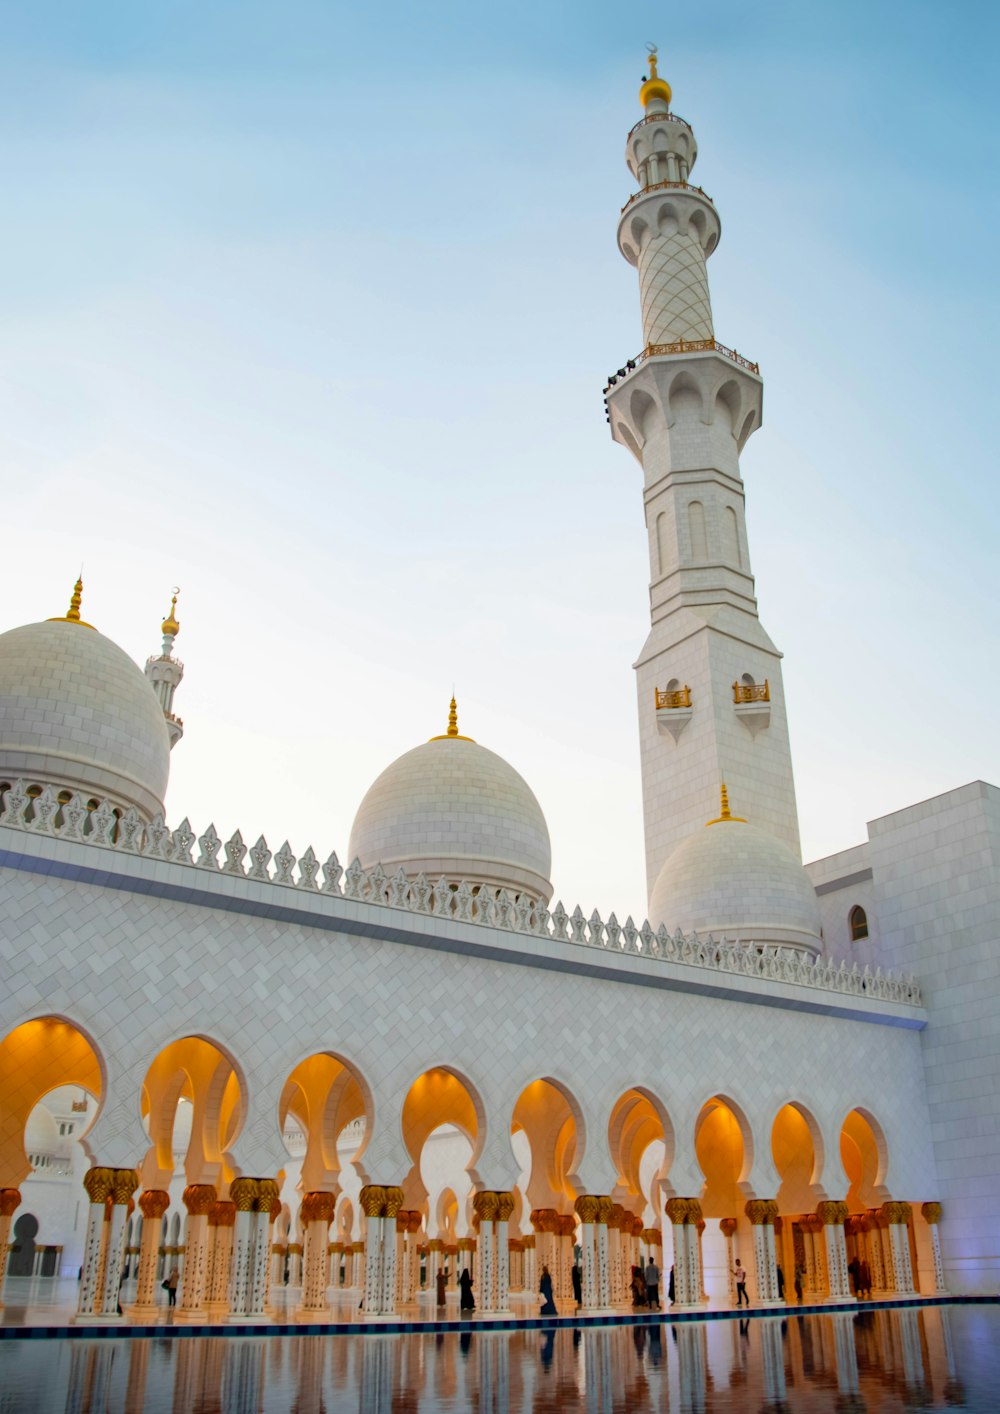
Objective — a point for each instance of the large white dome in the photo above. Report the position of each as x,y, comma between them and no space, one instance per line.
75,711
452,808
733,880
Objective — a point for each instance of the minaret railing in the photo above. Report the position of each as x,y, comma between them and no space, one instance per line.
667,186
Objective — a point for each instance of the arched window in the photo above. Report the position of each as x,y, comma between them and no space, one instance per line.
858,920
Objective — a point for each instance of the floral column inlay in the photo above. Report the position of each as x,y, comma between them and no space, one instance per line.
98,1183
833,1216
932,1216
198,1199
152,1204
762,1213
898,1216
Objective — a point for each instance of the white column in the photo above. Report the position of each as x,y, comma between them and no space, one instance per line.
98,1182
762,1213
126,1181
932,1216
152,1204
899,1215
191,1310
244,1193
833,1216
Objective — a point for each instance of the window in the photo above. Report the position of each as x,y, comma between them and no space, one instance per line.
858,920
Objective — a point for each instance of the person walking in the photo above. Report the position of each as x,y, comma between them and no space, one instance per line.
781,1281
441,1283
467,1301
799,1274
671,1288
577,1276
545,1287
652,1275
865,1280
171,1285
740,1273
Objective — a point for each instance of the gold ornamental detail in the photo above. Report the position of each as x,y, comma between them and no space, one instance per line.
243,1192
222,1214
587,1207
505,1206
99,1183
10,1201
394,1198
268,1197
744,692
154,1202
931,1212
485,1205
667,701
372,1199
831,1214
198,1199
729,1225
761,1211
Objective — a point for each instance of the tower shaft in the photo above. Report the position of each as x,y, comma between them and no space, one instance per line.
711,698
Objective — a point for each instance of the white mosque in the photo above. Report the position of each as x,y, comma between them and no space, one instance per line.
346,1074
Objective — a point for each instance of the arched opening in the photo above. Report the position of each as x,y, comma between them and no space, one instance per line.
550,1121
641,1141
797,1150
724,1150
697,532
193,1105
858,920
52,1082
443,1130
865,1156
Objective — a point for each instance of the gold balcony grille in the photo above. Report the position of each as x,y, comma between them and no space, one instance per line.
751,692
668,699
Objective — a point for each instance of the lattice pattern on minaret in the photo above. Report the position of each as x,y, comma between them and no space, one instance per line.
673,288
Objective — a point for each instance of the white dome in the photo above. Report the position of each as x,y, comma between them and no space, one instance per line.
75,711
732,880
452,808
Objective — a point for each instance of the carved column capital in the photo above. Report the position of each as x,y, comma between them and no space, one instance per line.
198,1198
485,1205
99,1182
154,1202
831,1214
729,1225
268,1198
243,1192
372,1200
10,1201
931,1212
587,1207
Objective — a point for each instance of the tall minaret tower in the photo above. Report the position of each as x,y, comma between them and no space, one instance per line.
165,672
711,703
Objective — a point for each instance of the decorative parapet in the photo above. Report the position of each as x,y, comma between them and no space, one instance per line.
467,901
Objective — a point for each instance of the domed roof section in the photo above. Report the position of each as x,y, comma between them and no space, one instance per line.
733,880
451,807
76,711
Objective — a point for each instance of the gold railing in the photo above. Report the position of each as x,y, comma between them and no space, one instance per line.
751,692
658,118
698,346
680,698
664,186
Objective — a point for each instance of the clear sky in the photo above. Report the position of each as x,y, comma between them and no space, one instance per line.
309,307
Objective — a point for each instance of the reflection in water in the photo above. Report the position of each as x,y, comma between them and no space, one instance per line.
848,1361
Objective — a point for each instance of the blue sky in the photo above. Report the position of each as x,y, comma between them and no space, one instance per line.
309,308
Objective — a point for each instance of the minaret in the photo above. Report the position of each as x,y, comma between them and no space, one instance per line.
711,703
165,672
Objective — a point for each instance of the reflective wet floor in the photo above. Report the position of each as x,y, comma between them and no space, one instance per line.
870,1360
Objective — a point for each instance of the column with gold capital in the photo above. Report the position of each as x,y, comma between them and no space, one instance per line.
372,1199
728,1227
484,1206
587,1207
10,1201
124,1184
316,1214
98,1183
243,1192
152,1205
602,1250
762,1213
932,1216
684,1215
221,1223
833,1216
501,1230
265,1210
393,1203
191,1310
898,1216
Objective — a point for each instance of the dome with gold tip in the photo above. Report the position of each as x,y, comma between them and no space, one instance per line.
450,807
76,712
734,880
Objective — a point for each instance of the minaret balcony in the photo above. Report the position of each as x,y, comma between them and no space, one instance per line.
682,346
667,186
657,118
752,705
673,709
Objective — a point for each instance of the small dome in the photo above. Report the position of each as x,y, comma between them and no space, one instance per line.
452,808
75,711
733,880
41,1133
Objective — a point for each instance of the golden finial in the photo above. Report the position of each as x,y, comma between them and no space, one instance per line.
452,733
170,627
724,812
654,86
72,615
